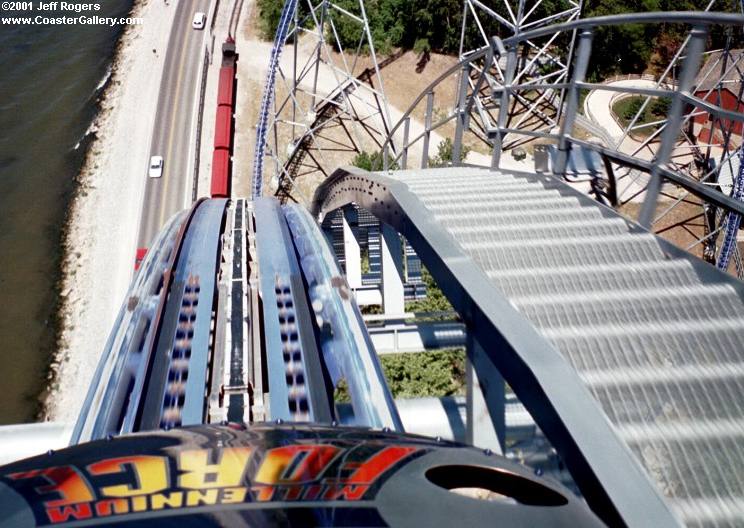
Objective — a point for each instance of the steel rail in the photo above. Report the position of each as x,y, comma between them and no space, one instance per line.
696,18
295,371
347,348
135,405
108,393
122,420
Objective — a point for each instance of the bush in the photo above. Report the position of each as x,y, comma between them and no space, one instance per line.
425,374
634,106
445,153
435,301
369,162
421,46
660,107
434,373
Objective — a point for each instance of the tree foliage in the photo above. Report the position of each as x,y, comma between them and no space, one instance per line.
446,153
660,106
422,25
633,48
433,373
633,107
626,48
370,162
435,301
425,374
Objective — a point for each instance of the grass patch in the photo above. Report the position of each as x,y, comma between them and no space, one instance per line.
625,110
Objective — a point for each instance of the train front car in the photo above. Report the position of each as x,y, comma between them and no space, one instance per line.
280,475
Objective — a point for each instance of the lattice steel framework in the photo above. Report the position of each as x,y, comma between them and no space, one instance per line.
325,101
673,181
706,148
538,61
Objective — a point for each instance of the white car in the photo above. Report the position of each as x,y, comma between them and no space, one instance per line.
199,20
156,167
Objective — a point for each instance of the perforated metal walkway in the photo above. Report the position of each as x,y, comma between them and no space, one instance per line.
656,336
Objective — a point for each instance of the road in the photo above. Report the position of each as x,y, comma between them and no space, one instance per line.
175,123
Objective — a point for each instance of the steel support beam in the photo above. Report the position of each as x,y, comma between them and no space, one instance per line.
392,271
352,256
485,400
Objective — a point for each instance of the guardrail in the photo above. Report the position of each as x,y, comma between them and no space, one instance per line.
199,122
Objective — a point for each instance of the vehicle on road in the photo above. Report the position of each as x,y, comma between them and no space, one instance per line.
199,20
139,257
156,167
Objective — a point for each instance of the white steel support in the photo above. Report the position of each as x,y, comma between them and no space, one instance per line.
485,400
392,271
352,256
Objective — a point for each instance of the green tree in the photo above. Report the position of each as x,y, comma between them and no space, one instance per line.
620,49
373,162
445,153
660,106
269,12
633,107
425,374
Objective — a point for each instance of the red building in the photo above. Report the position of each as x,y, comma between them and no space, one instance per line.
720,83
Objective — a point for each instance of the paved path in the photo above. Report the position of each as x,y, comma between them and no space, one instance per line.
597,105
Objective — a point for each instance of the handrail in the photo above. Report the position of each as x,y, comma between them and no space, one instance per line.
696,18
678,92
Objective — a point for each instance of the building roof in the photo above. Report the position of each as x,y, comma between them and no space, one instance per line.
721,68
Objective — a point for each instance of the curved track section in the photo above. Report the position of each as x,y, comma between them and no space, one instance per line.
592,321
154,368
733,220
268,95
235,305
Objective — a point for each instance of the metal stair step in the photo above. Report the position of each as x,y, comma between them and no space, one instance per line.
477,207
672,397
486,219
692,463
584,310
650,344
569,252
440,187
609,277
517,193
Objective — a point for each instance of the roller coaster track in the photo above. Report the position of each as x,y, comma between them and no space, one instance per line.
325,112
733,220
269,94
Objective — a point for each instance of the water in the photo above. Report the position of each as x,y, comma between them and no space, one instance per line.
50,79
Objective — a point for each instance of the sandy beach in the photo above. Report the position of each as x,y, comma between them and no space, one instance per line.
104,216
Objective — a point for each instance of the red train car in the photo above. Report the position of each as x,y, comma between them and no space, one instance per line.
223,128
226,86
221,166
139,257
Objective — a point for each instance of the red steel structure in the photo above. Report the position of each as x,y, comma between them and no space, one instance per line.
224,125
